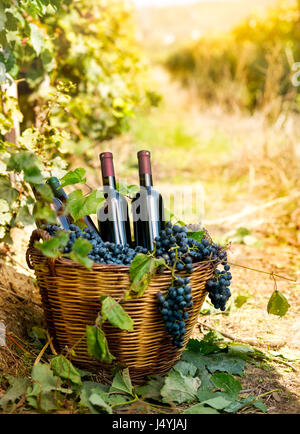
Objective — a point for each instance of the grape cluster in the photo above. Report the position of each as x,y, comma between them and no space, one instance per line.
174,245
102,252
218,288
181,252
172,306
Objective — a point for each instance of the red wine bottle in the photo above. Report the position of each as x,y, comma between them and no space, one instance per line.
147,206
59,201
113,217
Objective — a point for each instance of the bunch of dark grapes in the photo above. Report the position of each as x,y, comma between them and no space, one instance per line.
181,252
172,307
102,252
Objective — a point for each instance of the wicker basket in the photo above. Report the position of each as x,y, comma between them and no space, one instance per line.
71,299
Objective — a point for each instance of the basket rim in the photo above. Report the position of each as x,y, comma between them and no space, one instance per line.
67,262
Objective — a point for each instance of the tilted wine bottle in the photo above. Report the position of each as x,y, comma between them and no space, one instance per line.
40,223
113,217
147,206
60,200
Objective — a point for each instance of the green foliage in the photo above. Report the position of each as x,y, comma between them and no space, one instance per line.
141,271
18,387
179,388
40,394
52,384
122,382
52,247
79,205
97,344
196,235
89,42
249,67
79,252
278,304
63,368
73,177
115,314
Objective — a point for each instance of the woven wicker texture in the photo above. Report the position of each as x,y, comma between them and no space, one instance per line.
71,300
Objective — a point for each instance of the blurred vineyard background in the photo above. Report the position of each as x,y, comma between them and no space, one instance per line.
212,89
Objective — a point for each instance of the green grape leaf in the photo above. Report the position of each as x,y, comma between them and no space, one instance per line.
73,177
179,388
185,368
141,271
122,382
238,405
24,216
152,388
97,344
64,369
278,304
18,387
224,363
240,300
227,382
41,394
88,389
204,346
7,191
79,206
51,248
261,406
218,402
45,191
197,236
30,165
97,401
44,212
79,252
37,38
115,314
200,409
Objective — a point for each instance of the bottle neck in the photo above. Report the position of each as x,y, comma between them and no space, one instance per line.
59,193
146,180
109,181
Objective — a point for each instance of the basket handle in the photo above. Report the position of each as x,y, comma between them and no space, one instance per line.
36,235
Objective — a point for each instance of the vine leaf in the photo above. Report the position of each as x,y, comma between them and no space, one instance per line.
200,409
122,382
73,177
37,38
152,388
179,388
79,252
51,248
44,212
141,271
115,314
227,382
63,368
40,395
30,165
7,191
278,304
97,344
197,236
45,191
79,206
18,387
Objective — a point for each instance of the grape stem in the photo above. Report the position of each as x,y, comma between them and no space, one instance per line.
261,271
